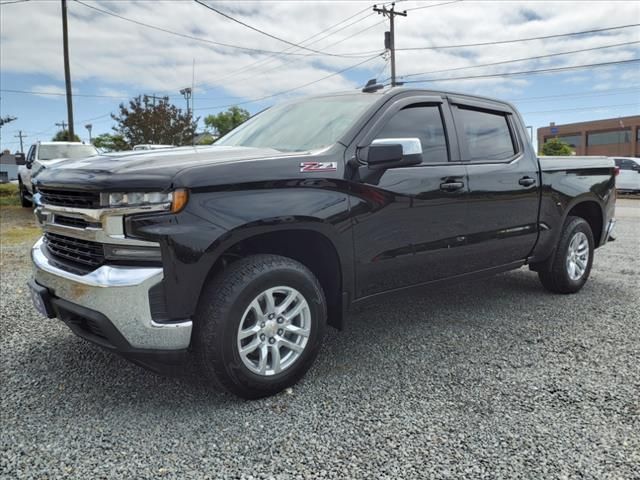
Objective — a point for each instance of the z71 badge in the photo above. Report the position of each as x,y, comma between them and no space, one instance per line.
311,167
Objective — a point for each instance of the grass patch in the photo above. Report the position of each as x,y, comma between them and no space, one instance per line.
16,235
17,225
9,194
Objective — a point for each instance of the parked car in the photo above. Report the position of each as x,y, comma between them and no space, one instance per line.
628,179
236,256
47,154
150,146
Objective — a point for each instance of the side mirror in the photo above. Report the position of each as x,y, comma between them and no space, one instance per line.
20,160
394,152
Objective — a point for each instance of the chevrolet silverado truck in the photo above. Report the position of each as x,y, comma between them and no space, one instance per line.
233,258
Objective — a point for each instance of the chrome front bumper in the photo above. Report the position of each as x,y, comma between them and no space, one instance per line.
119,293
609,232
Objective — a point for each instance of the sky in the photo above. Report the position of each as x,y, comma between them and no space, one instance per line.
127,48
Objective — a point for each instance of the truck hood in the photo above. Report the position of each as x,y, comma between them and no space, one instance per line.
146,170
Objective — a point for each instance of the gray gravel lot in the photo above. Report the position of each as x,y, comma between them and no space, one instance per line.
489,379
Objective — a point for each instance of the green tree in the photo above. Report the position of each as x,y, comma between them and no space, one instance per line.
556,148
110,143
63,136
223,122
159,123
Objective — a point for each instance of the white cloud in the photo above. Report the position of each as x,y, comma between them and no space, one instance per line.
52,92
108,51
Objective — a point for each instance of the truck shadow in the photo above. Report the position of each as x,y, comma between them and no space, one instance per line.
78,371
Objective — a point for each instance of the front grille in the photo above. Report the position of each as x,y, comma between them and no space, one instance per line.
74,222
69,198
79,252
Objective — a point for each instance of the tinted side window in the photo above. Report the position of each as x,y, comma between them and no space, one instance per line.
627,164
31,153
484,135
423,122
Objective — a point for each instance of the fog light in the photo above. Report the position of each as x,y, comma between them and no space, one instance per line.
118,252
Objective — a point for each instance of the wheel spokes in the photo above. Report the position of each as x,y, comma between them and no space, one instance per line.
303,332
290,345
275,359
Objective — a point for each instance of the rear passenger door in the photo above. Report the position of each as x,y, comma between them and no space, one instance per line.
503,183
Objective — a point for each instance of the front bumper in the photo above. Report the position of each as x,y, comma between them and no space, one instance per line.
110,296
611,225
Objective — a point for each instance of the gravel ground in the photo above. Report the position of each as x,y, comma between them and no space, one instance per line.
490,379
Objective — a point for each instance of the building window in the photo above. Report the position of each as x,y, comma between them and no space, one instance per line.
573,140
609,138
637,134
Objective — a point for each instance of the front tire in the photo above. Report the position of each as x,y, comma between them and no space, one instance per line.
569,268
22,191
259,325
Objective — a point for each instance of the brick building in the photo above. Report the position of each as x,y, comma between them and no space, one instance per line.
611,137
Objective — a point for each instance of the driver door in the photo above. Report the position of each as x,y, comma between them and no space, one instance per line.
409,222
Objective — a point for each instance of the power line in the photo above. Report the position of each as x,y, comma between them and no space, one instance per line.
526,72
430,6
522,59
12,1
291,60
598,93
200,39
499,42
270,58
582,108
254,100
255,29
35,92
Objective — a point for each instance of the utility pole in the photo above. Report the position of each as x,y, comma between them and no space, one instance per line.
390,36
21,136
67,70
193,96
63,126
88,126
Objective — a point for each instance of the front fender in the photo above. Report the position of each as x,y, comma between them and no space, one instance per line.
214,221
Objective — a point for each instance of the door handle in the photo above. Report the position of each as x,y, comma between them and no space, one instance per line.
451,186
526,181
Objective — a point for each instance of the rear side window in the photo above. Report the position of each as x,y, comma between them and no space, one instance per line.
626,164
423,122
484,136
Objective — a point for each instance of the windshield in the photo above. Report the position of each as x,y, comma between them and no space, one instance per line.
51,152
309,124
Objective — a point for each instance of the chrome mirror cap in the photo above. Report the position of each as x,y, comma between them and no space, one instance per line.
410,146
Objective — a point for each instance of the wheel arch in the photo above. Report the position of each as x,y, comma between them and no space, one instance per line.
592,212
311,243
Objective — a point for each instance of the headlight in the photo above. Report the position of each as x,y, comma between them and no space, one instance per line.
173,201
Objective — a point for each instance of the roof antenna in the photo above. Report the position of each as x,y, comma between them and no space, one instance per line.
372,86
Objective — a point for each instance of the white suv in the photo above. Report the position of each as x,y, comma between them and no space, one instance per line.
628,179
46,154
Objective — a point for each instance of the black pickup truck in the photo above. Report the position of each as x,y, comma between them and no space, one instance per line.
235,257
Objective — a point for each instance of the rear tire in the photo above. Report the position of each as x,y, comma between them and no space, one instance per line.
569,268
22,191
243,326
